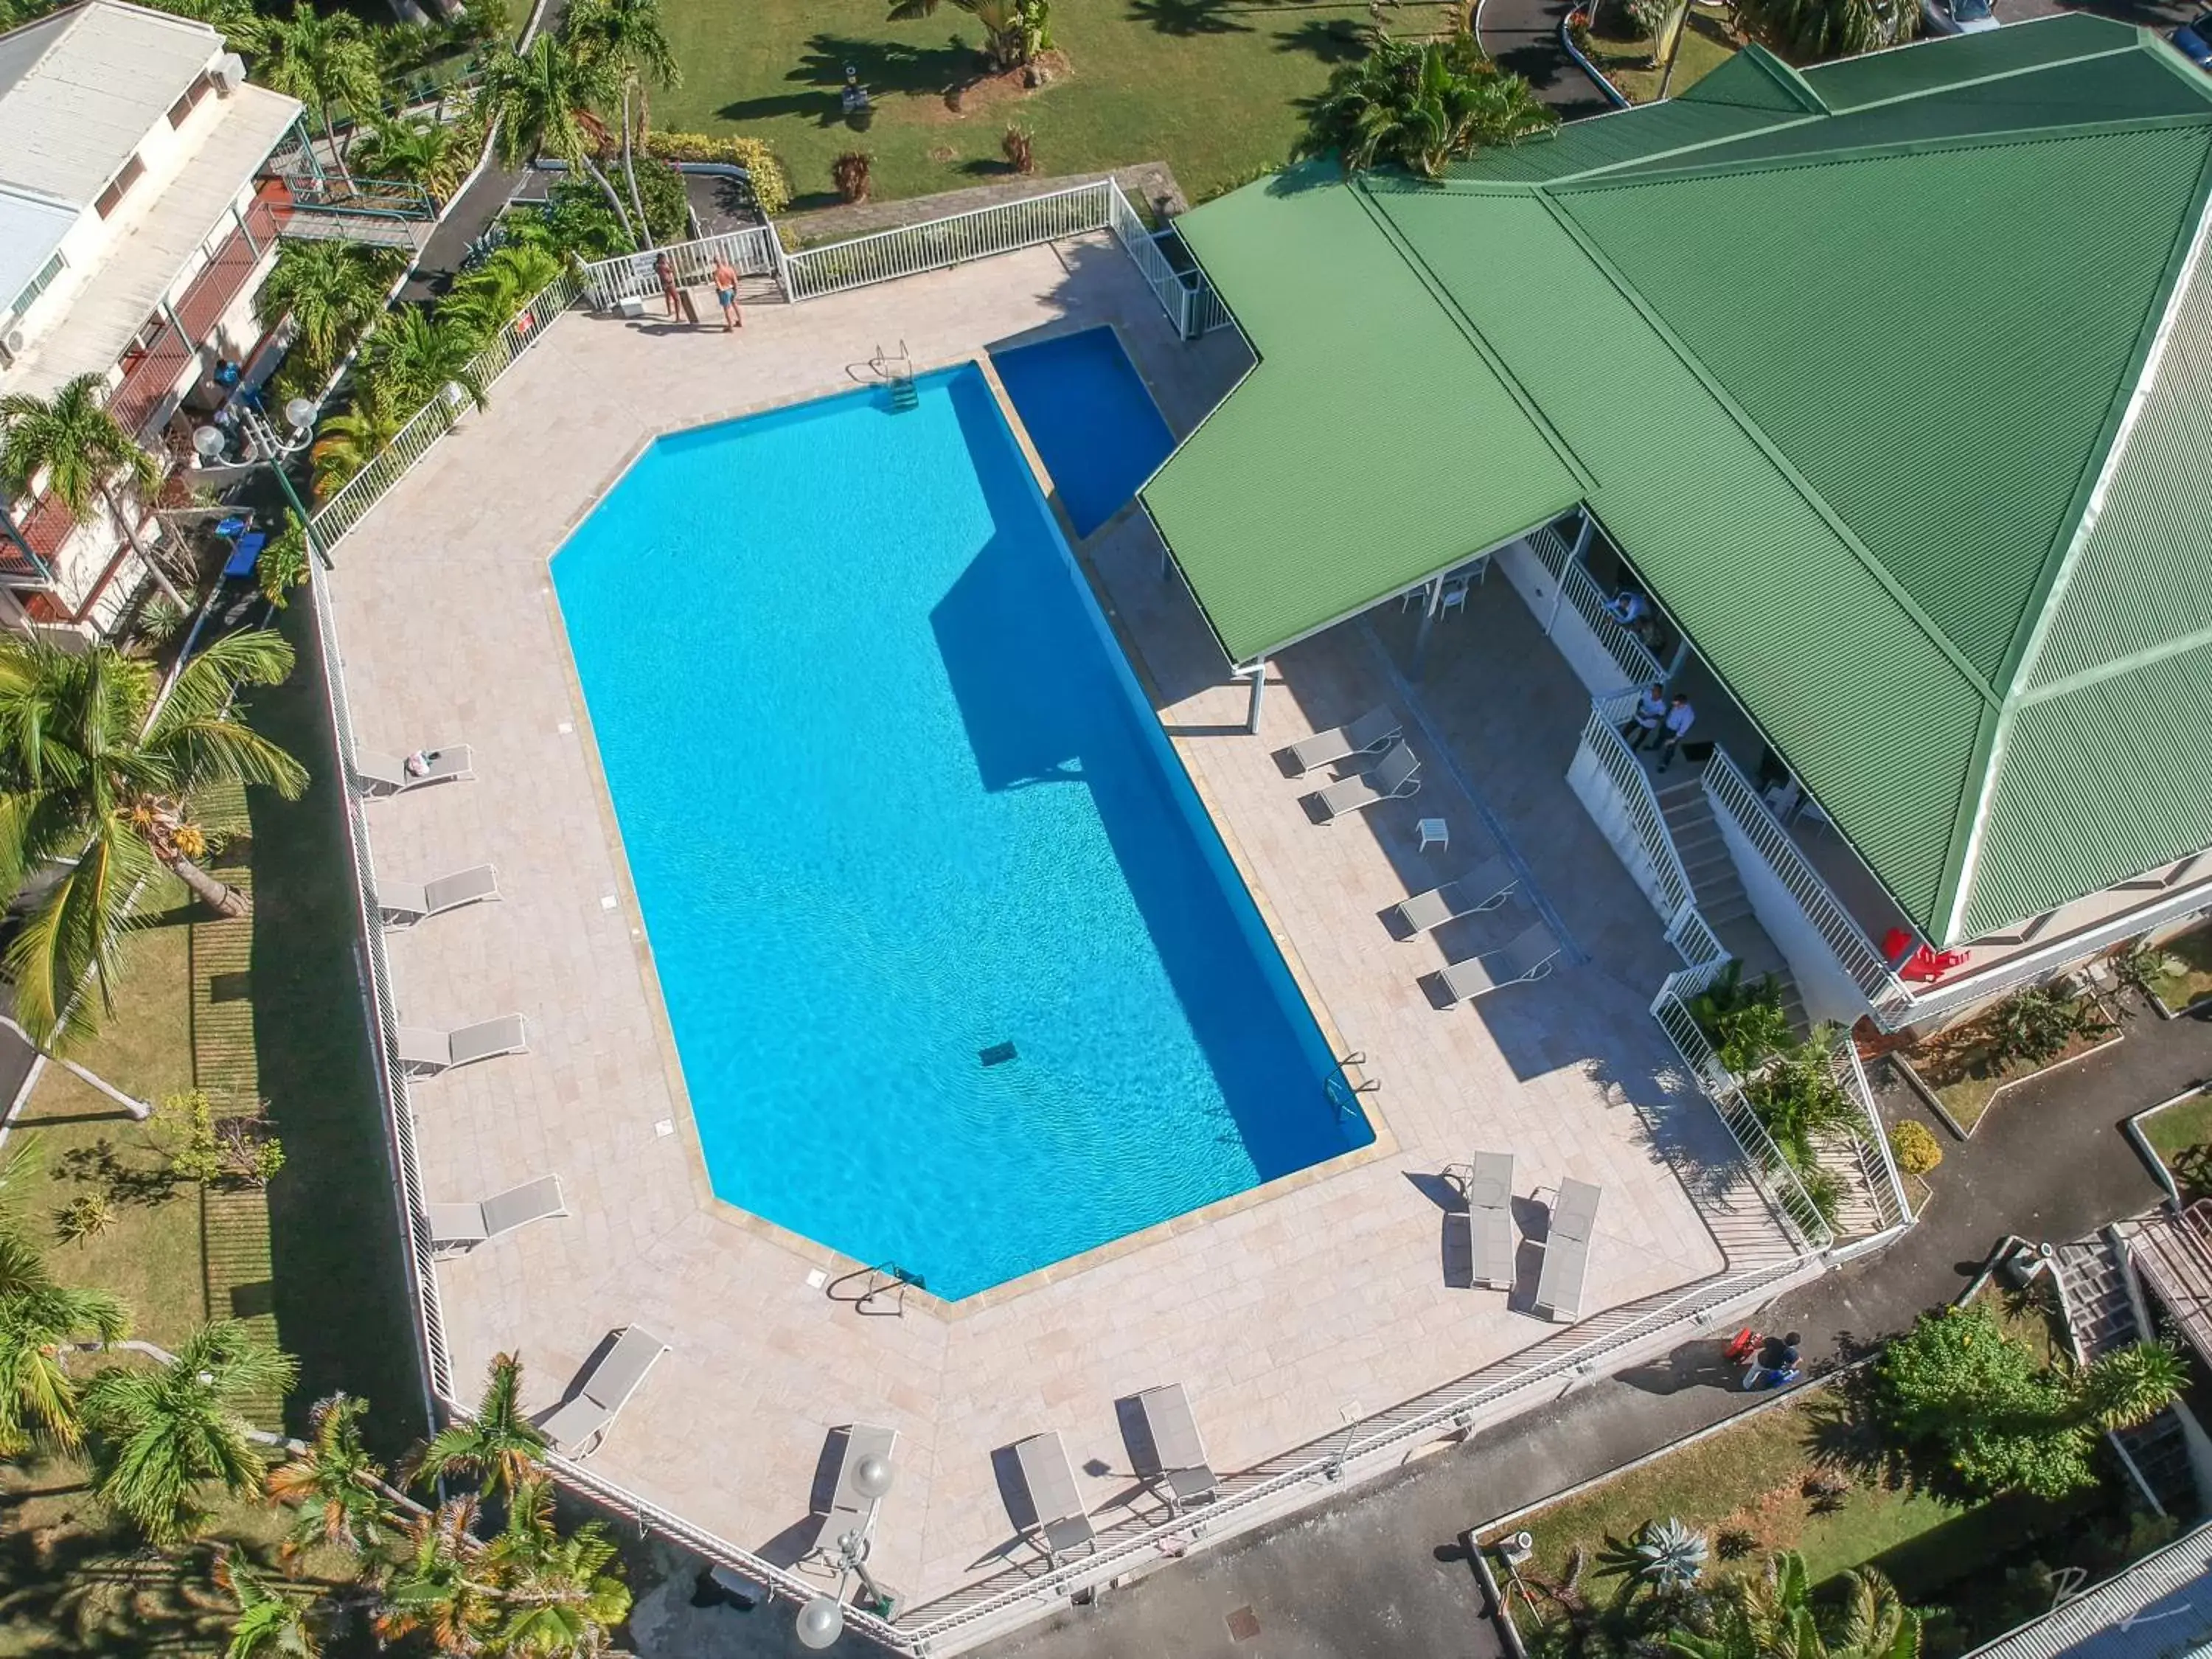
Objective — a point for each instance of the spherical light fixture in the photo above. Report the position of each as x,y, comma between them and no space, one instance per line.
871,1476
821,1622
209,443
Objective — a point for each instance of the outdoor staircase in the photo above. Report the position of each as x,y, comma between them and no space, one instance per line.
2100,1316
1719,891
304,226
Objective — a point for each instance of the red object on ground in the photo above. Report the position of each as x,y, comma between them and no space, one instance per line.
1744,1344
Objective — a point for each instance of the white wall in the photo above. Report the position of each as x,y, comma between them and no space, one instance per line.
1584,652
1829,993
1594,785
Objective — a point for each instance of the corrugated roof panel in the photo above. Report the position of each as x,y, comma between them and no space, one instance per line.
1755,78
31,230
1848,83
1943,385
1284,516
2100,1623
1744,560
1605,141
2095,786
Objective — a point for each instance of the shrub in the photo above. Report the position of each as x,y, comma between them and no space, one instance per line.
236,1151
2032,1027
86,1216
850,174
1917,1149
1020,146
283,562
771,184
1744,1023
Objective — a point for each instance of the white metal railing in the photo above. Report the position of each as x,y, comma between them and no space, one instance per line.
980,234
1580,589
1772,1172
1639,801
1731,795
1137,242
753,252
434,419
1885,1186
1206,312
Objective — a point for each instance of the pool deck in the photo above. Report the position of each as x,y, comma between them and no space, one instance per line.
1285,1317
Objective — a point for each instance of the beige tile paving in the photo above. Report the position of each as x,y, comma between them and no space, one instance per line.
1279,1315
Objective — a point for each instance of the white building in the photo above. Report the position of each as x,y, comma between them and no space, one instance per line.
135,229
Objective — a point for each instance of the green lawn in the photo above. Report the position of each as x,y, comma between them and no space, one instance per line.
1211,87
2181,1135
2184,972
1705,46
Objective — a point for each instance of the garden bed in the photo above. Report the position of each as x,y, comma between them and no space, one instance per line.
2181,1136
1964,1072
2179,976
1626,60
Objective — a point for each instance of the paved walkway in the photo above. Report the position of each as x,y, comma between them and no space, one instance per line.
1523,36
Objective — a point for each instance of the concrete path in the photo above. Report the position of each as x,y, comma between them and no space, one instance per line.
1523,36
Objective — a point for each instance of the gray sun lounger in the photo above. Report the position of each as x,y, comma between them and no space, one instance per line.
1393,777
1487,1221
387,775
1566,1249
1528,955
851,1509
502,1213
1184,1476
1061,1520
1370,734
424,1050
404,903
577,1426
1485,887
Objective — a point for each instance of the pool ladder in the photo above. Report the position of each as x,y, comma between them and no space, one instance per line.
897,373
864,1285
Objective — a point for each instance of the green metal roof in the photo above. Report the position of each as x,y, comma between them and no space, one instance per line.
1856,376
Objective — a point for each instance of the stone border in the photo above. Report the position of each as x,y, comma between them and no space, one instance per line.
2133,1128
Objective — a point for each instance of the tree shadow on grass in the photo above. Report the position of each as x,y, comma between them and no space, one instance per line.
1330,40
885,68
88,1590
1187,19
97,1165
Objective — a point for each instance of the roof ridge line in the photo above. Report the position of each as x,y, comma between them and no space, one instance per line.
2113,667
1785,75
1741,417
2014,73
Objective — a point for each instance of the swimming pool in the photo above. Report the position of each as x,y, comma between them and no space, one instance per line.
959,973
1094,424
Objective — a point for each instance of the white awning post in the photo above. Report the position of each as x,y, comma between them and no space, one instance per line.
1259,689
1574,556
1431,601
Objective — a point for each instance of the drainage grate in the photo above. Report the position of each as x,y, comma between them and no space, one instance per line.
997,1054
1243,1625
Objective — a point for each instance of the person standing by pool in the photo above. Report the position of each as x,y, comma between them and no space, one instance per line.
665,268
726,291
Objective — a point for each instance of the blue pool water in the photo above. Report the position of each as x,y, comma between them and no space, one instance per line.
1094,425
892,800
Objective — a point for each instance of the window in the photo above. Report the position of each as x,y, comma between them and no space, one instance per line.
193,94
133,171
38,284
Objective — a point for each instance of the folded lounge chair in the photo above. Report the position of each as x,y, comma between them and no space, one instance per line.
1183,1475
472,1224
1528,955
385,775
1393,777
850,1509
1487,1221
1566,1249
1485,887
1061,1522
577,1426
404,904
431,1051
1370,734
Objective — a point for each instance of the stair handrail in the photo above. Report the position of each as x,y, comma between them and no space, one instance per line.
1601,737
1885,1183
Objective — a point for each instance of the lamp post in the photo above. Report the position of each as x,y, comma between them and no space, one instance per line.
300,416
821,1620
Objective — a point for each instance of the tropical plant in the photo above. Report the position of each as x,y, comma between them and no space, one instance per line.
1809,29
349,439
283,563
85,1216
331,290
82,450
1797,1096
1744,1022
1665,1557
497,1445
2032,1027
2131,1385
626,40
850,174
1917,1148
323,60
1019,147
160,1435
94,786
39,1400
485,299
542,101
428,153
1016,32
159,620
437,1584
1772,1617
1648,17
556,1594
268,1622
419,356
771,185
1422,106
337,1486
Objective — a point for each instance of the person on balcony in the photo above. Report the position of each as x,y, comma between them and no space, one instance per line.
1643,726
1676,726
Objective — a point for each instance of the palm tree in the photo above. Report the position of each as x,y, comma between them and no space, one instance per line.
337,1487
1422,104
556,1594
2131,1385
541,102
498,1445
426,152
82,449
437,1584
321,58
1807,29
486,300
269,1624
349,440
1877,1625
419,356
331,290
38,1318
159,1435
1771,1617
626,37
1015,32
95,782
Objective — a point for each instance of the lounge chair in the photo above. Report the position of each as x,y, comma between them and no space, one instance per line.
1485,887
1566,1250
502,1213
1528,955
423,1050
385,775
1393,777
1486,1223
1370,734
404,903
1061,1520
850,1509
1183,1473
577,1425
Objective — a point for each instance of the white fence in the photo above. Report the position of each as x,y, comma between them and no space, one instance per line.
1578,589
1638,802
751,252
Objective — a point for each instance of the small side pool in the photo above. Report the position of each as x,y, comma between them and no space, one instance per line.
1095,426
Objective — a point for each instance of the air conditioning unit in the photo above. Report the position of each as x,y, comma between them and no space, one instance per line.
12,340
229,73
